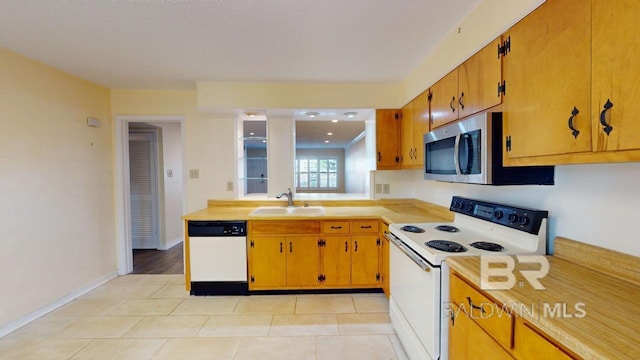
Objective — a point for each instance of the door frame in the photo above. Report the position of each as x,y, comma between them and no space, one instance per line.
122,186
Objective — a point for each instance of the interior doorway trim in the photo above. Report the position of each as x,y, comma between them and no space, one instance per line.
123,207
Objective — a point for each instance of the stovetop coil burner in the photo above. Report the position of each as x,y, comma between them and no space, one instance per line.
445,245
411,228
488,246
447,228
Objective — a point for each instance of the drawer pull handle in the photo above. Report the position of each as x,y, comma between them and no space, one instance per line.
336,227
365,227
603,117
477,307
574,131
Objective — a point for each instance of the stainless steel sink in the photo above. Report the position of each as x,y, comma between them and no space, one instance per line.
277,210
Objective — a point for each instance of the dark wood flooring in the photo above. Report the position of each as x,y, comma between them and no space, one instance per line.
158,261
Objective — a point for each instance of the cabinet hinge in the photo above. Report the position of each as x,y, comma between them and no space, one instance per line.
504,48
396,116
378,242
502,88
322,278
378,277
429,96
508,143
253,279
397,159
322,242
253,244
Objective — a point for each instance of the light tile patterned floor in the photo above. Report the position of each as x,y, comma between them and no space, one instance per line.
152,317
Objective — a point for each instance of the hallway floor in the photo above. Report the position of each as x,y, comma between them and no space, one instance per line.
151,261
153,317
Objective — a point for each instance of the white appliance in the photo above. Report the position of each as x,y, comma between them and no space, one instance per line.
420,279
218,257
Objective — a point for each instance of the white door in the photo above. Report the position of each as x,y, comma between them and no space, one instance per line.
144,190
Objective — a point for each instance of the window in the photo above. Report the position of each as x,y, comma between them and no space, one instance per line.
316,174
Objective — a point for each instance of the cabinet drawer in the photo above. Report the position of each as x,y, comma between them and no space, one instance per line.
528,344
365,226
284,227
335,227
492,317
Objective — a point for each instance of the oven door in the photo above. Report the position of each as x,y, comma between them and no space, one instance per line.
415,301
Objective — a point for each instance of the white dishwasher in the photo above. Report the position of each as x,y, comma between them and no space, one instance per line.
218,257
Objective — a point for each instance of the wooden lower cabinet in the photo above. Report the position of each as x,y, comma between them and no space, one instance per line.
384,259
467,340
529,345
314,254
473,335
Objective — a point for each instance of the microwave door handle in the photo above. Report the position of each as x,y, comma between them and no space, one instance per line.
456,155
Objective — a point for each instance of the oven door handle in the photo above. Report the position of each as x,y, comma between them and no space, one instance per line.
423,264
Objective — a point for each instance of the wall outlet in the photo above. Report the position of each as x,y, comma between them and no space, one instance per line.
229,185
194,173
378,188
385,188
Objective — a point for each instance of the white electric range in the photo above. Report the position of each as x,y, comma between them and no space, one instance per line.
420,278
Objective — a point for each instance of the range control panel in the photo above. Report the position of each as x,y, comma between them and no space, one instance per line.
522,219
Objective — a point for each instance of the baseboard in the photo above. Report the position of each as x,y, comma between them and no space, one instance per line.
171,244
16,324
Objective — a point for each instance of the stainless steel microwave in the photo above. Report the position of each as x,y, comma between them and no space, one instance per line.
470,151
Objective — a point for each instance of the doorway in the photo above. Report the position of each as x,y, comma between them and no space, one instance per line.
157,239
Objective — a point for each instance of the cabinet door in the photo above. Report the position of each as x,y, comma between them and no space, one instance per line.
491,74
615,69
470,86
547,75
468,341
406,142
336,260
365,260
444,101
420,127
388,139
529,345
267,264
303,260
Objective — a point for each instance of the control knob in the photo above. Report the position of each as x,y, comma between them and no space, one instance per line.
497,214
513,218
524,220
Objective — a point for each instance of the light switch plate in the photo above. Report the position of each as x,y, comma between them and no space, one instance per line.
194,173
229,185
169,173
378,188
385,188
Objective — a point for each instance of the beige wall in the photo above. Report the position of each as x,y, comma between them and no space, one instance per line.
56,185
209,139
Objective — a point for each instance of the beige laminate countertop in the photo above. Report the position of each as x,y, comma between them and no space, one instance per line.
610,327
397,211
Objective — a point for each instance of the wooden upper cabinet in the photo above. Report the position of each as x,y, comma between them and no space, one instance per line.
491,65
406,138
470,86
420,127
388,139
616,70
444,100
547,78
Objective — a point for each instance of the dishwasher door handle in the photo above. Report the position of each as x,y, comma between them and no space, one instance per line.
422,263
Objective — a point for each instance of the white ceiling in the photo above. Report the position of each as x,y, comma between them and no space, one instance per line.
171,44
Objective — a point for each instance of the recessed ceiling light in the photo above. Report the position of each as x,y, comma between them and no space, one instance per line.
312,114
329,133
334,120
326,141
350,114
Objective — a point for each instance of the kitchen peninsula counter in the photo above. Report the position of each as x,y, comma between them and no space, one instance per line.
390,211
589,305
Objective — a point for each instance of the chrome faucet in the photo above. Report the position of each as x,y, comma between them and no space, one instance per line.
289,196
